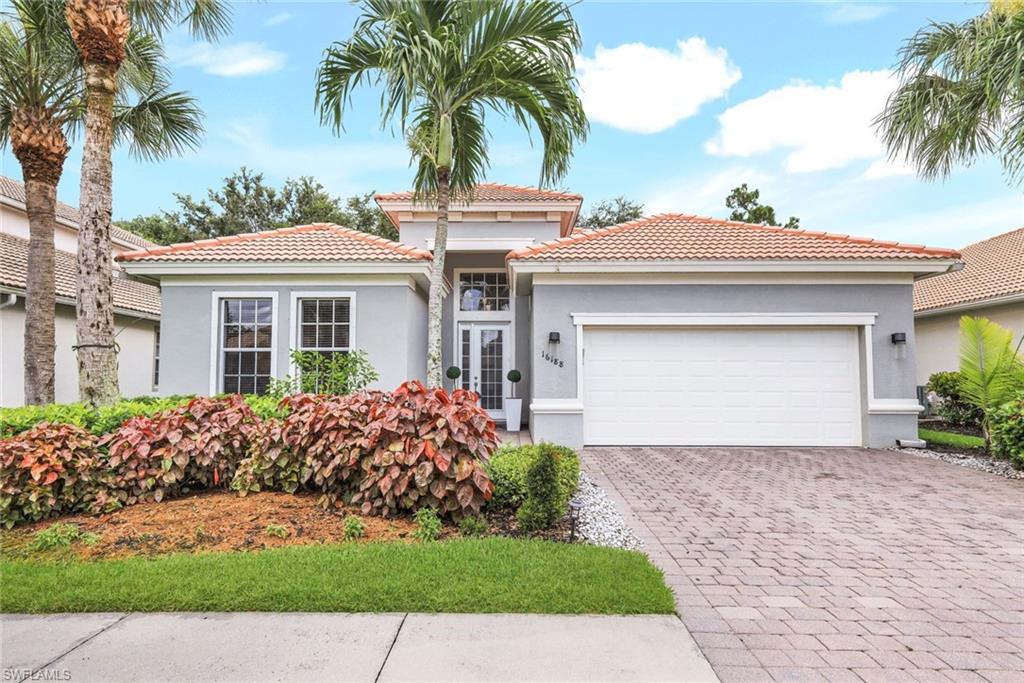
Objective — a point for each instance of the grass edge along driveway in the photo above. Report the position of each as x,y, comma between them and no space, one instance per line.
485,575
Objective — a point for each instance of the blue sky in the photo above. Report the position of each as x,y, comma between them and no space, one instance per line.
686,101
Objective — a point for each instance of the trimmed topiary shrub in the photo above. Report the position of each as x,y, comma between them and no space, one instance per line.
49,470
543,506
508,466
952,407
1007,429
197,445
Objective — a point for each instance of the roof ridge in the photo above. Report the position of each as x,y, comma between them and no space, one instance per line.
386,196
583,236
398,247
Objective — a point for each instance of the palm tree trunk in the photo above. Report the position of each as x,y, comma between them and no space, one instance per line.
97,356
40,347
436,297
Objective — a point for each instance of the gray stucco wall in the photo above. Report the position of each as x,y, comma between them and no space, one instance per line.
390,325
894,376
417,233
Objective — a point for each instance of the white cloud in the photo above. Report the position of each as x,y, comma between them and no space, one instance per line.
853,13
888,168
646,89
823,126
238,59
278,18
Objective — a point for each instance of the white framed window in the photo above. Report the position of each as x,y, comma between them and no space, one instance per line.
484,291
322,321
244,344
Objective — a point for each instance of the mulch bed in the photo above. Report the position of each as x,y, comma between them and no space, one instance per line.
938,425
214,521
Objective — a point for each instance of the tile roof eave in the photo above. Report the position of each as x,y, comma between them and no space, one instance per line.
981,302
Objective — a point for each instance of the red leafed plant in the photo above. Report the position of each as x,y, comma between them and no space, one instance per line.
48,470
425,447
195,446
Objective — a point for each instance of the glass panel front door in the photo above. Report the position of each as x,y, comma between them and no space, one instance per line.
484,361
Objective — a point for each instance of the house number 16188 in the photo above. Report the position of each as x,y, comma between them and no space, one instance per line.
551,359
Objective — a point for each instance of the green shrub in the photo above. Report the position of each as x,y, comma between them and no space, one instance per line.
952,407
508,466
98,421
428,525
1007,430
266,407
354,528
473,526
61,535
339,374
543,505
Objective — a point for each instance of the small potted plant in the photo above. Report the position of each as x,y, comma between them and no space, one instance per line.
513,405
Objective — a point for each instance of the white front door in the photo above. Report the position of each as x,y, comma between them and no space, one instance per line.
484,361
754,386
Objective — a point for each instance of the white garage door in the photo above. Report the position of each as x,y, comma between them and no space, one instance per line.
757,386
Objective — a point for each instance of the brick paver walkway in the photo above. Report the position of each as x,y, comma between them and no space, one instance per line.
832,564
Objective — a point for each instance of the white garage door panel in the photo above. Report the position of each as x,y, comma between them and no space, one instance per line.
783,386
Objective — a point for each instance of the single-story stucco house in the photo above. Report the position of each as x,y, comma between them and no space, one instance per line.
990,285
674,329
136,306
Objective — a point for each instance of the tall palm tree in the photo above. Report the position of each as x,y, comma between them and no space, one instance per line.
42,91
444,63
961,94
101,30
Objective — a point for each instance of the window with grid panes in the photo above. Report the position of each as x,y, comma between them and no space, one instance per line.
247,328
483,292
325,325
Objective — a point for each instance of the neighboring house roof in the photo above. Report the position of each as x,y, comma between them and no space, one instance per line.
495,192
993,269
128,294
682,237
68,215
317,242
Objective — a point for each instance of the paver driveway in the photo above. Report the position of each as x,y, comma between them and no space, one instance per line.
832,564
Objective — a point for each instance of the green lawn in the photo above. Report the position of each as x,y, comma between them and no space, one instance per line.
487,575
951,439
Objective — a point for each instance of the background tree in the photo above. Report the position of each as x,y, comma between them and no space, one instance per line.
747,207
101,30
442,64
613,212
961,95
42,91
246,203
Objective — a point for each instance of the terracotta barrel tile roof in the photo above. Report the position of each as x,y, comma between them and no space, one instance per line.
128,294
317,242
682,237
12,189
496,192
993,268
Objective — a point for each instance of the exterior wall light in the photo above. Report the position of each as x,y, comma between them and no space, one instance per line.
554,337
899,337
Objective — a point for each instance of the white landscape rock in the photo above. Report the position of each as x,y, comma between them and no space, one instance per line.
600,522
1003,468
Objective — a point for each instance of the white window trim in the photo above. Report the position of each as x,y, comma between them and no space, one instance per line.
509,317
215,330
293,315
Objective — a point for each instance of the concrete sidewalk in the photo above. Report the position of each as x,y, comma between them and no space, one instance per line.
356,647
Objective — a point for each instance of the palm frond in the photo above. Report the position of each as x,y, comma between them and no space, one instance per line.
990,367
205,19
160,124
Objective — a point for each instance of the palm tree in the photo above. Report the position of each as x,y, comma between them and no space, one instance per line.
961,94
42,91
101,30
991,368
443,64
